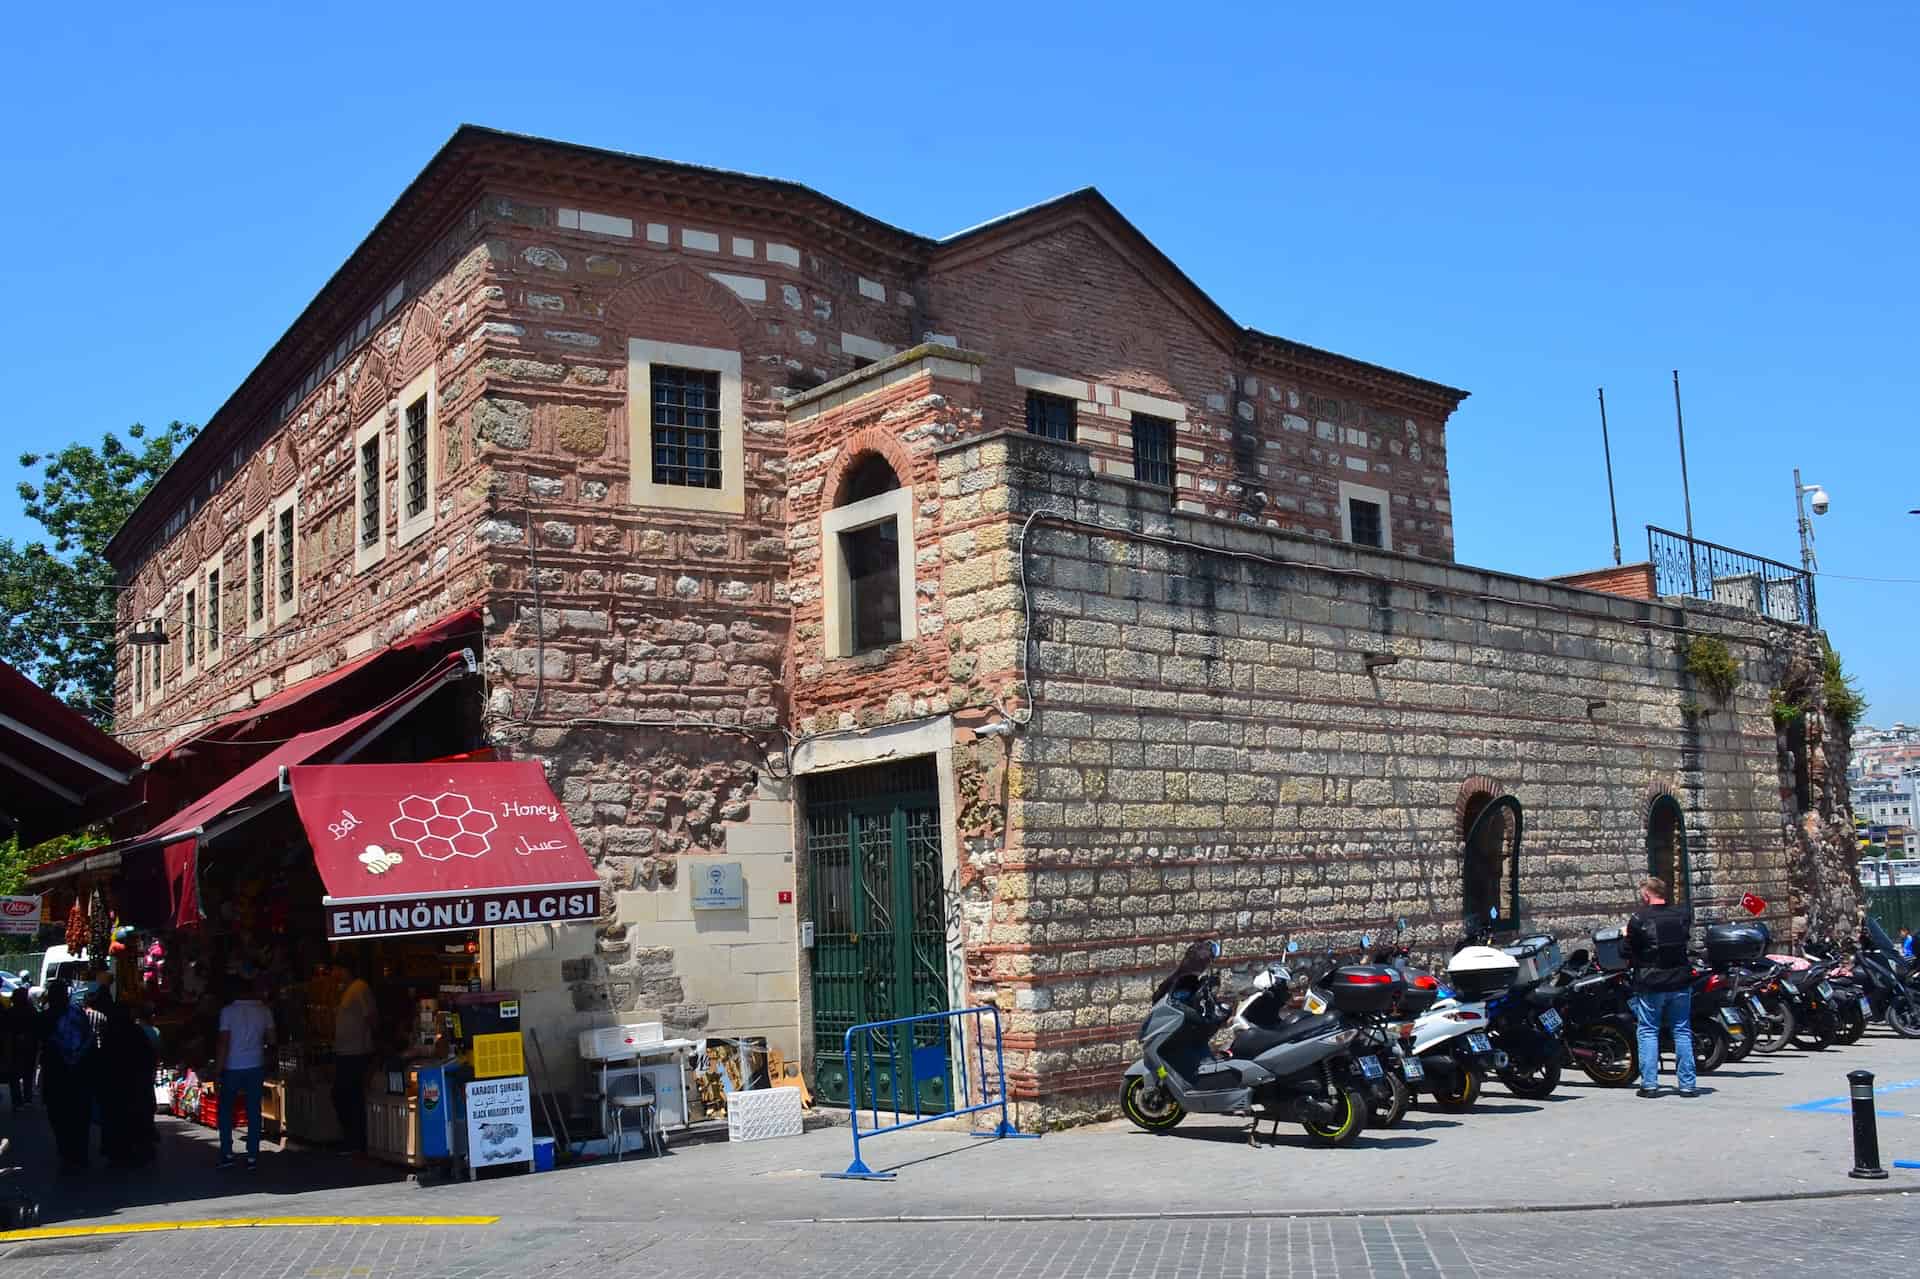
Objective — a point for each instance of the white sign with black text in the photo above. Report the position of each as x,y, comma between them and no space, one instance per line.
499,1122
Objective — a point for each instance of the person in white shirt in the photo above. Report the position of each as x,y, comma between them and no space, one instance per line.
240,1064
354,1021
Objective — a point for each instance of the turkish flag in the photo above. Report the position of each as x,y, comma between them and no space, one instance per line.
1754,905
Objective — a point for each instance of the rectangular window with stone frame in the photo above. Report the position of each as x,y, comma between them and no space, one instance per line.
1153,450
213,612
413,453
1364,518
286,556
257,576
1050,416
370,492
686,426
190,625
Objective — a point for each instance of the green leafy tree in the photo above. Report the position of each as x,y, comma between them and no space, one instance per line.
57,595
14,860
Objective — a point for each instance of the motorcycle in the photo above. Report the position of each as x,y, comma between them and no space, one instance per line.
1599,1032
1268,1006
1887,980
1452,1039
1524,1023
1813,999
1302,1071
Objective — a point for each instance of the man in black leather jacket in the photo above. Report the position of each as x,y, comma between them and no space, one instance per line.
1656,946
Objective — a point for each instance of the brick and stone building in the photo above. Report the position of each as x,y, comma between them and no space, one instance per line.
1011,613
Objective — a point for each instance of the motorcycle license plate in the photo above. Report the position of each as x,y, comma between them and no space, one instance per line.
1731,1020
1866,1007
1759,1009
1826,990
1550,1022
1315,1004
1413,1068
1479,1043
1369,1067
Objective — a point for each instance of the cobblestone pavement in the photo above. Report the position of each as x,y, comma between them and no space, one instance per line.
1862,1236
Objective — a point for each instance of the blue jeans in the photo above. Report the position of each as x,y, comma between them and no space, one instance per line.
235,1084
1673,1010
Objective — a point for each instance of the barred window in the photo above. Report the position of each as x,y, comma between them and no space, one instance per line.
213,611
686,426
370,492
1153,450
257,576
414,450
1051,416
1365,521
191,624
286,556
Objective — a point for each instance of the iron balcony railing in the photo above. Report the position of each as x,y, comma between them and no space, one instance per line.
1685,565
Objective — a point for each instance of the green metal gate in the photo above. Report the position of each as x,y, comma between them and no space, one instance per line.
877,900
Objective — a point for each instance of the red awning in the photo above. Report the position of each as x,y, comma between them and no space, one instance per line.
57,771
202,819
313,702
422,848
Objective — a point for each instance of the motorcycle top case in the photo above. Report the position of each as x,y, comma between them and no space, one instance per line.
1364,988
1737,943
1539,957
1422,990
1610,949
1477,972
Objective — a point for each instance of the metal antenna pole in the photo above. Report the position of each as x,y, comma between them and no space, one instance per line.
1607,448
1806,525
1686,493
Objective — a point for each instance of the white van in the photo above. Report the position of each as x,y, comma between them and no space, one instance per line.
65,965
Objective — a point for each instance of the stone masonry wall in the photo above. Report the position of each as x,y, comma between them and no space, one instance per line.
340,613
1209,757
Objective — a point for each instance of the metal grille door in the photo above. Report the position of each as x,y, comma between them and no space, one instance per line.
878,906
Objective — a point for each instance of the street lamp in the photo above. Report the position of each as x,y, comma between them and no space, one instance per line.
1805,495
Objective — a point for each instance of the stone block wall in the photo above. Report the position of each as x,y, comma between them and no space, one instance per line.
1210,755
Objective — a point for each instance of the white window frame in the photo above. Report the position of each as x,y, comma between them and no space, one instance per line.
1365,493
368,554
836,587
262,528
282,610
422,387
210,650
731,497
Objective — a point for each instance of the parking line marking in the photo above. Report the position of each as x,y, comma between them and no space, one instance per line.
229,1223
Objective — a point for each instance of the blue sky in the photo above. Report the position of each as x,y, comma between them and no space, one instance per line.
1524,203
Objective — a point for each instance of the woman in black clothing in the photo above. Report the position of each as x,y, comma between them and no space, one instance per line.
125,1077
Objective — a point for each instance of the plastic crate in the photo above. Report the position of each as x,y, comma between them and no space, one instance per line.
611,1043
498,1056
763,1113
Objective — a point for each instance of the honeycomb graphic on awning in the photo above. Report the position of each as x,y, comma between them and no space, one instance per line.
443,827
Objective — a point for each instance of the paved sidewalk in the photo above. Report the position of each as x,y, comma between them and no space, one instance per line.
1854,1237
1751,1137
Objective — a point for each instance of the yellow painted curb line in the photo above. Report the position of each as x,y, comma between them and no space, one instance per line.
230,1223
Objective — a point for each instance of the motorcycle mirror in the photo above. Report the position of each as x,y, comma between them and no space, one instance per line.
1493,912
1400,924
1293,948
1366,941
1214,946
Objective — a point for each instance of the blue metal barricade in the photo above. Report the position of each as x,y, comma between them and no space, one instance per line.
876,1042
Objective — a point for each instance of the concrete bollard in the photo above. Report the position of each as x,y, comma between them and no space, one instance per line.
1866,1134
